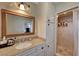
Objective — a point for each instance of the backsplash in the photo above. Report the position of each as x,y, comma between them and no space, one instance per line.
19,39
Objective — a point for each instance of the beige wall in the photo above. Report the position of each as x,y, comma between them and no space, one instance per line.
42,19
46,11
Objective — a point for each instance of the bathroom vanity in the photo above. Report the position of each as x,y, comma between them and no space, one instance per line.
19,27
37,48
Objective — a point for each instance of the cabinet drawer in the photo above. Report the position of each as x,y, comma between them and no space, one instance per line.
27,52
40,48
38,54
39,51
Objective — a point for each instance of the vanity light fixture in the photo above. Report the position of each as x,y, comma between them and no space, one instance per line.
23,6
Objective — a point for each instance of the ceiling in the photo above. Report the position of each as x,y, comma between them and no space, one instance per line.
36,3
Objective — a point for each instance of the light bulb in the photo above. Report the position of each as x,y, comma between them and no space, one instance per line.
64,12
22,7
57,16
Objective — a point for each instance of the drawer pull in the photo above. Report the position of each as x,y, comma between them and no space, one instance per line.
48,46
42,47
48,24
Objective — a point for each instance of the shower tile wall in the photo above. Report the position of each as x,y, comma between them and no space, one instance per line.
65,34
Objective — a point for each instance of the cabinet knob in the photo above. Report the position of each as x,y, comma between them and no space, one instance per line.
14,37
48,20
48,24
48,46
42,47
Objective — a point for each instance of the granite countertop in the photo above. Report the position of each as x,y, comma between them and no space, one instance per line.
12,51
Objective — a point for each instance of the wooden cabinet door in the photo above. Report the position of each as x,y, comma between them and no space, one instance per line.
27,52
41,50
36,51
50,31
41,54
50,37
50,50
38,54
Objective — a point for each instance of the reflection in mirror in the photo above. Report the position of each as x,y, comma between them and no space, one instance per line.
18,24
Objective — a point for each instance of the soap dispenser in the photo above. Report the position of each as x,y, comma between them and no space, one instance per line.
4,41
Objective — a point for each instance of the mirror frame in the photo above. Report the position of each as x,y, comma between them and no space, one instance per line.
4,13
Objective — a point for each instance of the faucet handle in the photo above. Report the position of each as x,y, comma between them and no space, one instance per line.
10,42
30,39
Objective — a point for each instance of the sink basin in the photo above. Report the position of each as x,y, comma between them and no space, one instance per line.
23,45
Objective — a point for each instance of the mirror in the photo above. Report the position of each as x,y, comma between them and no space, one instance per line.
17,24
